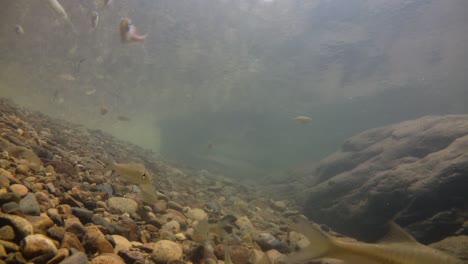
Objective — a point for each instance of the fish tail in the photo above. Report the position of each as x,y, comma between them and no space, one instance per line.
320,245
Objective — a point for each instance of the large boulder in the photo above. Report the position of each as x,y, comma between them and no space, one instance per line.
414,172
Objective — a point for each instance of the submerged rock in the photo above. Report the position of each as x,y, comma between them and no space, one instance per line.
37,245
165,251
412,170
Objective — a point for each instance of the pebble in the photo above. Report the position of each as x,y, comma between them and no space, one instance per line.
112,228
122,205
165,251
7,233
279,205
11,208
175,206
22,169
15,257
3,253
76,258
64,209
37,245
105,187
9,197
61,254
44,201
21,226
9,246
160,206
19,189
84,215
180,236
40,223
172,226
4,181
56,232
121,243
75,227
95,241
244,224
197,214
132,257
107,258
29,205
267,241
70,241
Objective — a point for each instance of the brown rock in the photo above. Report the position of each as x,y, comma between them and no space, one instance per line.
40,223
64,209
95,241
3,253
21,226
36,245
121,243
160,206
70,241
61,254
7,233
6,174
19,189
107,259
9,246
132,256
122,205
44,201
175,206
56,232
22,169
165,251
76,258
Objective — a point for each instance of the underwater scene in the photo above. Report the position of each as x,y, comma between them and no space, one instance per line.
234,131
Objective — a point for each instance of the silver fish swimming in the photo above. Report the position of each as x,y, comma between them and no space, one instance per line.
58,8
398,247
133,172
94,19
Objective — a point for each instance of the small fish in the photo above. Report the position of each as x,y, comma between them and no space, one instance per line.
104,110
123,118
133,172
94,19
58,8
78,64
397,247
66,77
128,32
19,29
302,119
210,146
90,92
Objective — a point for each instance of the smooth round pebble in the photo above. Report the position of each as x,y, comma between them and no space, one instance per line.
19,189
121,243
122,205
107,258
36,245
7,233
197,214
165,251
